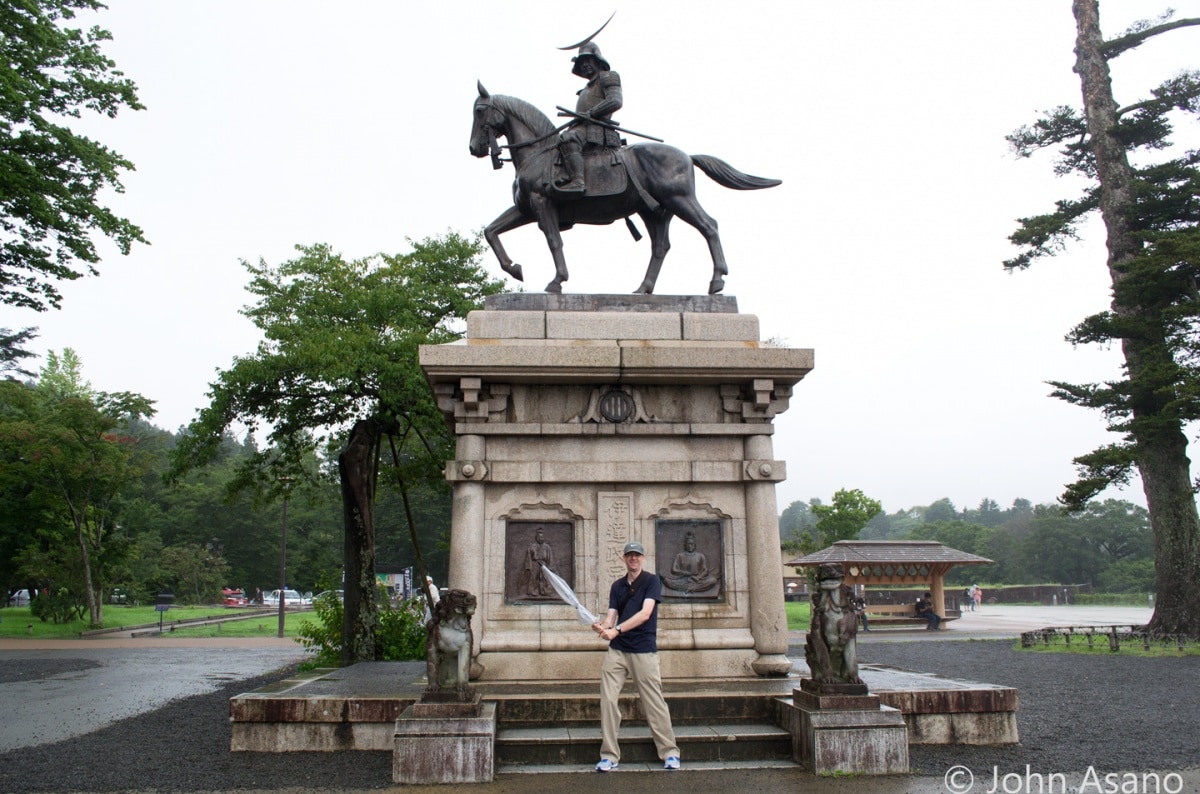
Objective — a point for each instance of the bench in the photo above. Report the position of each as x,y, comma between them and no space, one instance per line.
885,615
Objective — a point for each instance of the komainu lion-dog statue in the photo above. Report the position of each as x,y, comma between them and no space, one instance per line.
448,644
831,650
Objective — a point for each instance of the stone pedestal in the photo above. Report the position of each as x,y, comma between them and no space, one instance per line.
597,420
445,743
846,733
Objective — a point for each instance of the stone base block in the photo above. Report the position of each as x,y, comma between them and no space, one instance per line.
437,750
855,741
990,728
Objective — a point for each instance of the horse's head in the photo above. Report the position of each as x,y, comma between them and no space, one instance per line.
487,122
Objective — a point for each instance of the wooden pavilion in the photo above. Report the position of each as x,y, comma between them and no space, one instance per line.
921,563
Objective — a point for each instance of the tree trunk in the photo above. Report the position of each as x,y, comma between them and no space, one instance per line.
94,618
1160,444
356,468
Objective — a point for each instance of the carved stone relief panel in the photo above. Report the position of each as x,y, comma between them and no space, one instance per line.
690,558
528,545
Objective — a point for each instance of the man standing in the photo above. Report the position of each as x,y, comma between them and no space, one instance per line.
599,99
631,628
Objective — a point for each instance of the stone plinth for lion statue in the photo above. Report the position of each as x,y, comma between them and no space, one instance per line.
836,726
449,735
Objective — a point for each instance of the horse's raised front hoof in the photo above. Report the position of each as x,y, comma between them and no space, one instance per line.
555,287
514,270
716,285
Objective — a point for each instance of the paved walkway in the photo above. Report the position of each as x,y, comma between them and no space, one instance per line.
57,689
999,620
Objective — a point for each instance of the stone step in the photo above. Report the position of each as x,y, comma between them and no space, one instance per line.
573,705
579,745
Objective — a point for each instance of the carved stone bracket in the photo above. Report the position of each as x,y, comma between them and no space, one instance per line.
758,401
473,401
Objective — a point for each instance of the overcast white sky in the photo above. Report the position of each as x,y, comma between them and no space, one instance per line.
270,124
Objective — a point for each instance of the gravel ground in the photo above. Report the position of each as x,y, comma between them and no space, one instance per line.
1105,711
1109,713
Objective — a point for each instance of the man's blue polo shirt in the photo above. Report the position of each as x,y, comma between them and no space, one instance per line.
643,638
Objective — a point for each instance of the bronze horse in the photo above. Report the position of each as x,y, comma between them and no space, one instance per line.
664,173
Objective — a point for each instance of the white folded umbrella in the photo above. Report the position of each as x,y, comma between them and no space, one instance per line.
567,594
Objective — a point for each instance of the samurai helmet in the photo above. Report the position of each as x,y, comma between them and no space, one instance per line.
589,50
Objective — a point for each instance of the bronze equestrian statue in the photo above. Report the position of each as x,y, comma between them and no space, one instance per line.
599,180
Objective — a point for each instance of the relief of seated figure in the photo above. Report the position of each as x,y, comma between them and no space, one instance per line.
690,574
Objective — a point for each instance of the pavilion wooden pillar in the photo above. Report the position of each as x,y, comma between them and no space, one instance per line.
937,589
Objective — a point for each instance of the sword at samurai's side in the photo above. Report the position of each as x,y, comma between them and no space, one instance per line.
562,111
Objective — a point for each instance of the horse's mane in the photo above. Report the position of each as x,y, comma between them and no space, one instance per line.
534,119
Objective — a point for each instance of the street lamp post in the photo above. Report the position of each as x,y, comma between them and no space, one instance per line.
287,481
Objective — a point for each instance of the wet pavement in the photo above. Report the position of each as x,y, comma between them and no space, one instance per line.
995,621
58,689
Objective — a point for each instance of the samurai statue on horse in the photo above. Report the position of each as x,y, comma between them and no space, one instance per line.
587,174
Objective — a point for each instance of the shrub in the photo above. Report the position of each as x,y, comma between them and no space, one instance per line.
400,635
59,606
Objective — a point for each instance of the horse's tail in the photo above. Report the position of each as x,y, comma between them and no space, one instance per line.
726,175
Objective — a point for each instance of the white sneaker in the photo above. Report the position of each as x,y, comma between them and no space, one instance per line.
672,762
606,765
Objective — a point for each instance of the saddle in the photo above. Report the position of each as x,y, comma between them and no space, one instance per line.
603,172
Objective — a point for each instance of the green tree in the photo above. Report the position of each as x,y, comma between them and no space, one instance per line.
338,370
942,510
1152,222
845,517
795,520
198,571
66,443
12,352
51,177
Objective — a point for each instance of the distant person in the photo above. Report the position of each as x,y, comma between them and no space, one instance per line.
924,609
978,597
860,609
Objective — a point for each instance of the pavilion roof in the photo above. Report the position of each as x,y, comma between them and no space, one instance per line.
894,552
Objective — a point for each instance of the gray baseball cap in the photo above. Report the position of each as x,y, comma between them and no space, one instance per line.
633,547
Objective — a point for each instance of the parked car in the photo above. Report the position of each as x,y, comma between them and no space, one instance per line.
338,594
291,598
19,599
235,598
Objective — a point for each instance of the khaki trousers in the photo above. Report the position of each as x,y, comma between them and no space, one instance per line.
643,667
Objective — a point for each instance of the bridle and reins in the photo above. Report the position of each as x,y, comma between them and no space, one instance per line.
494,147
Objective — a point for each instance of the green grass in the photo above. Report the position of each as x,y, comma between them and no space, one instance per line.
1100,648
267,626
799,615
16,621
